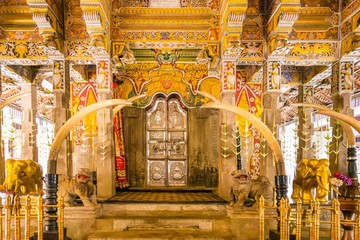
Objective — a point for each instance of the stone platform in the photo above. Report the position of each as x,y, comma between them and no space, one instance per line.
167,215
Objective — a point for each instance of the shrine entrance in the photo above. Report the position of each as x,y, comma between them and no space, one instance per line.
166,144
171,147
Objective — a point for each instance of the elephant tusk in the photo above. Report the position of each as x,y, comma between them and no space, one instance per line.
265,131
345,121
12,99
71,122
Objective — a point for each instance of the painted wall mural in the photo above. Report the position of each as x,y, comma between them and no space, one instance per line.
248,95
229,75
84,94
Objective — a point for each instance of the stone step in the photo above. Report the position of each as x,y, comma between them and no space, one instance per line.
157,235
164,209
131,223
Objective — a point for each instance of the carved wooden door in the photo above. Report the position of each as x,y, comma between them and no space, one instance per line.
166,148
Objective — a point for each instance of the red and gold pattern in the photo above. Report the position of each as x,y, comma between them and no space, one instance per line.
248,96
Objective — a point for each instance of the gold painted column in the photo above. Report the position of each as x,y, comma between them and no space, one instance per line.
305,126
232,14
28,125
61,84
271,114
104,149
2,160
341,98
228,159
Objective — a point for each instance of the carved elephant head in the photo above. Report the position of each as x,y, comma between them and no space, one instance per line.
311,174
23,176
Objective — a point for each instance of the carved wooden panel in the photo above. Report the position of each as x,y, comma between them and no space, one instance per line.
134,141
204,145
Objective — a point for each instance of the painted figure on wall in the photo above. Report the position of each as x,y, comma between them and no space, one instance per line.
58,75
229,72
102,72
274,75
347,76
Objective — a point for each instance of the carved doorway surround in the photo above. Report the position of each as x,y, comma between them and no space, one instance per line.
166,144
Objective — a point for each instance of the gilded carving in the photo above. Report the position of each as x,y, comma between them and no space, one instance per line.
331,34
209,55
125,35
346,76
274,76
22,49
310,174
252,50
350,9
122,55
58,75
252,33
346,28
228,75
314,50
102,74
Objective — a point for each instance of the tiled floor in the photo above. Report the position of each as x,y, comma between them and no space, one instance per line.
166,197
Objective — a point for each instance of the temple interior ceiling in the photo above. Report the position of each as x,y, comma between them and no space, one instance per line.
306,37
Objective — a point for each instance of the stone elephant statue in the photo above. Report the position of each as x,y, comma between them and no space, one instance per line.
247,191
81,186
311,174
23,176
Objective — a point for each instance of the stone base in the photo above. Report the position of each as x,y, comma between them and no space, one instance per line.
50,236
80,216
275,235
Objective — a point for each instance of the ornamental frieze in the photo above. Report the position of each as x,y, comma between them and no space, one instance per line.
350,9
346,28
177,44
333,5
317,51
83,49
121,35
22,49
330,34
183,78
21,35
212,4
350,47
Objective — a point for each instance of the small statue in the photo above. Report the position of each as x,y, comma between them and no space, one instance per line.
82,186
311,174
23,176
248,191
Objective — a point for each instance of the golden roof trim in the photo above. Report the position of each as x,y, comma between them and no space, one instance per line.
162,11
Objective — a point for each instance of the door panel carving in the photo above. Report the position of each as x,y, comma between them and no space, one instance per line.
166,142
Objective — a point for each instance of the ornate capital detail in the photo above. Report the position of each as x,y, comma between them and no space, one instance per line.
47,24
287,19
97,25
92,19
235,20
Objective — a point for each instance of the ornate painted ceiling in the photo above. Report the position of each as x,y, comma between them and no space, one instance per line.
307,39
